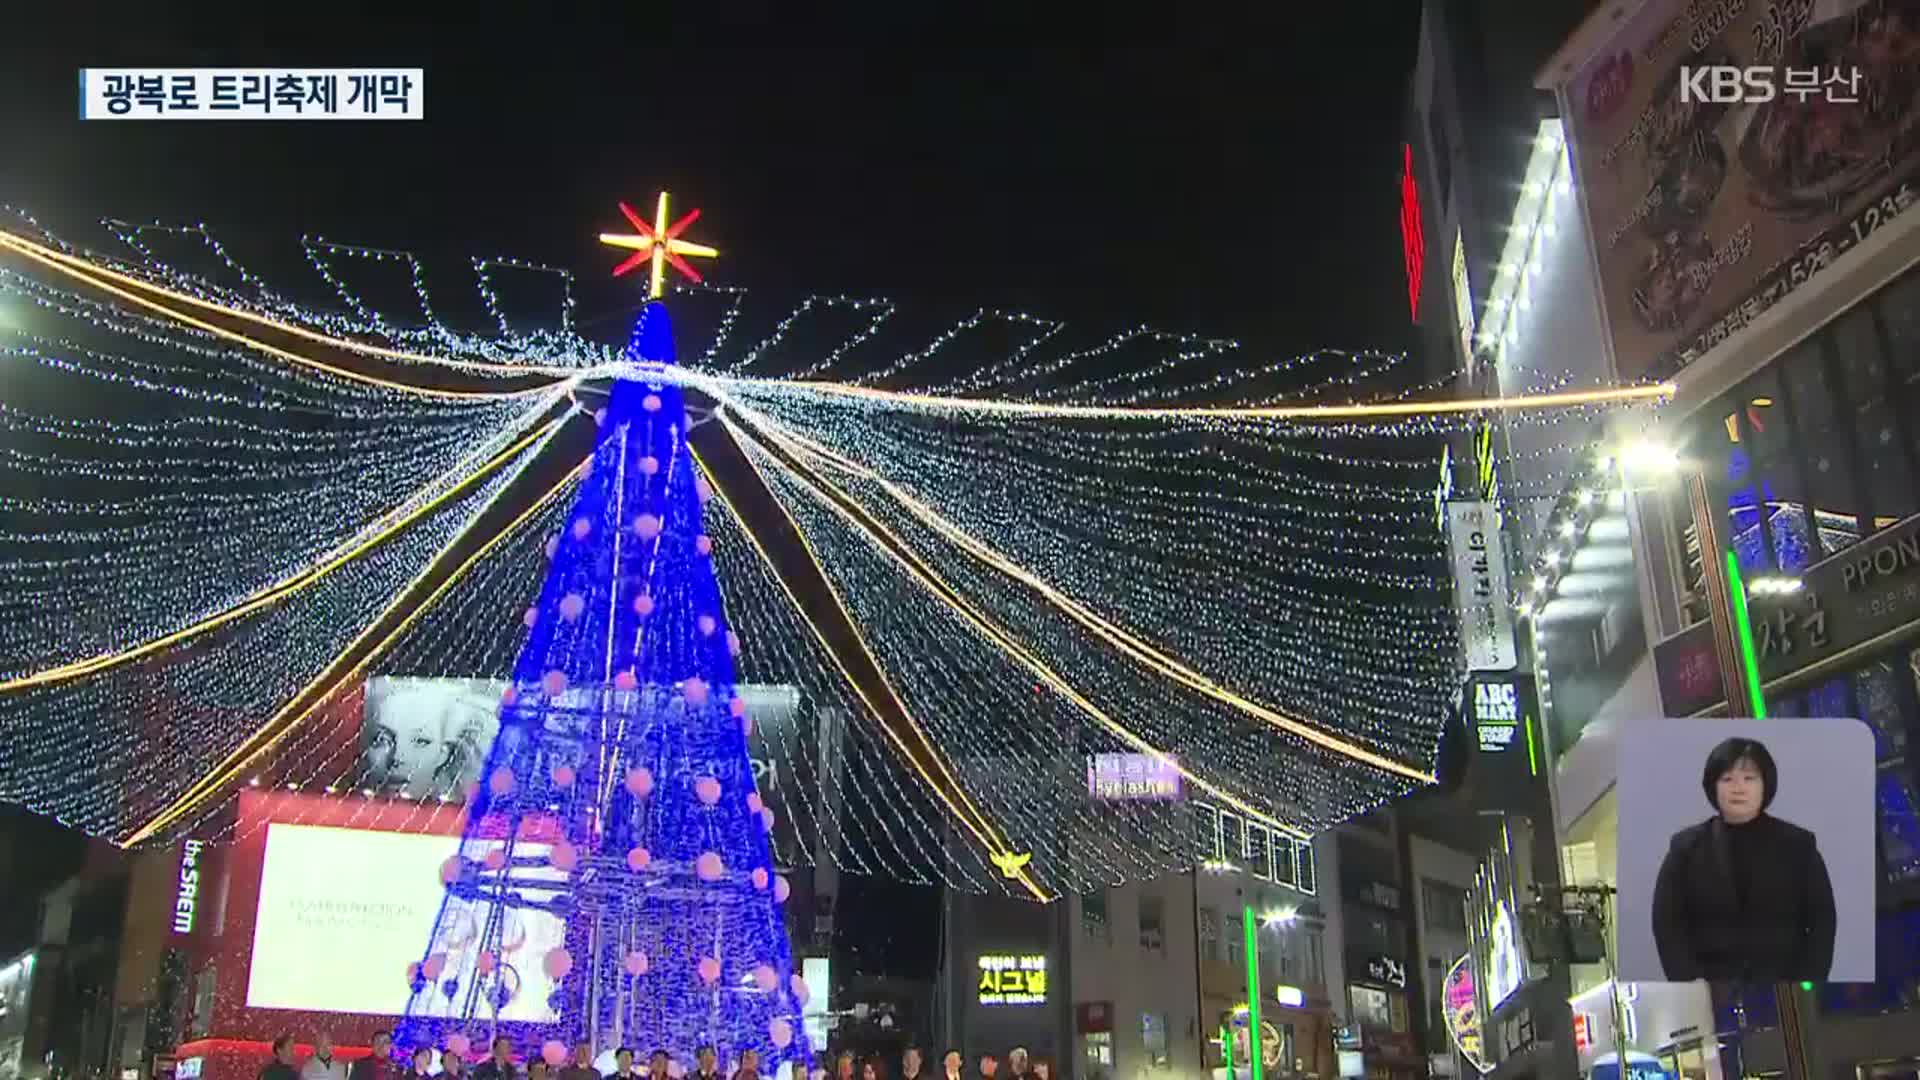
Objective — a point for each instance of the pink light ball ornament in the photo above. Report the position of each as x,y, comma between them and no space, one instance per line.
746,726
733,643
565,856
766,817
639,859
485,963
413,972
694,690
781,890
640,781
707,789
459,1044
765,977
572,606
531,618
562,776
798,986
501,782
760,878
582,529
781,1032
709,970
554,683
651,403
709,866
453,869
703,489
626,680
649,465
738,707
636,963
553,546
703,544
510,696
707,625
753,802
643,605
557,963
646,526
553,1052
434,965
496,858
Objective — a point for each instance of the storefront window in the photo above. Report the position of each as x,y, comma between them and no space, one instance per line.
1371,1008
1825,443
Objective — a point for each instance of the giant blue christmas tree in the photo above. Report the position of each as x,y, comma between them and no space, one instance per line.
615,881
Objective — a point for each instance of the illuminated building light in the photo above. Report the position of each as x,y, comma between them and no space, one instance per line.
1413,240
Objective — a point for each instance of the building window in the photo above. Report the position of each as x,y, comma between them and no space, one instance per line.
1233,838
1210,934
1259,852
1445,907
1206,832
1152,920
1236,943
1371,1007
1093,916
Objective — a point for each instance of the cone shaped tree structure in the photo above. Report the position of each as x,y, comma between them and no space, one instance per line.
615,880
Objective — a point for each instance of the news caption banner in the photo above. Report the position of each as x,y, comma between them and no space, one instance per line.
252,94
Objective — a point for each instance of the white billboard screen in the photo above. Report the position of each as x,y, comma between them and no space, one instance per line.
342,913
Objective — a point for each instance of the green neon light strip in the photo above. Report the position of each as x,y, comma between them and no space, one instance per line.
1226,1047
1533,756
1255,1059
1743,625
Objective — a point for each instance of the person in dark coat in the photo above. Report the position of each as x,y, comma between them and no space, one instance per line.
281,1067
1743,896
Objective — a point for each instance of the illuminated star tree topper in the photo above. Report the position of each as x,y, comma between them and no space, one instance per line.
658,243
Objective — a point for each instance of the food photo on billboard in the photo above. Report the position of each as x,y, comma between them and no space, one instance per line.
1746,851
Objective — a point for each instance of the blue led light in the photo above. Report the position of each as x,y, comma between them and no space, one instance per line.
615,880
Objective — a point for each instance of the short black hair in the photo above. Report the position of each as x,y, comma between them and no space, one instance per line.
578,1043
1722,758
707,1049
418,1050
282,1042
627,1050
498,1039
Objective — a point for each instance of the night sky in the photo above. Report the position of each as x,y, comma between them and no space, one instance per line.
1239,180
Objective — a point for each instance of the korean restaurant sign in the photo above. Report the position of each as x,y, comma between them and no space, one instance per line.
1480,586
1009,979
1851,597
1707,208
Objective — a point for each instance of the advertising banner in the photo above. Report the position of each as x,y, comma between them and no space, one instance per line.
423,738
1731,150
1480,586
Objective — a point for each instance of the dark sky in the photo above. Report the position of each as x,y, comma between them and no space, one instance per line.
1239,179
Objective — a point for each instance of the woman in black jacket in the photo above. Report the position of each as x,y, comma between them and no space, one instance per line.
1743,896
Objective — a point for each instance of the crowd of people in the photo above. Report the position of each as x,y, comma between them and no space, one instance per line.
500,1064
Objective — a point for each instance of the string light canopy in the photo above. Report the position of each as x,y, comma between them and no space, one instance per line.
1051,545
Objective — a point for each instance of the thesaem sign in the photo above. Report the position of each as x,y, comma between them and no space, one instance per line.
186,894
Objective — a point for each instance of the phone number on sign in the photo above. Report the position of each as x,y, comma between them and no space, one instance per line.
1813,258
